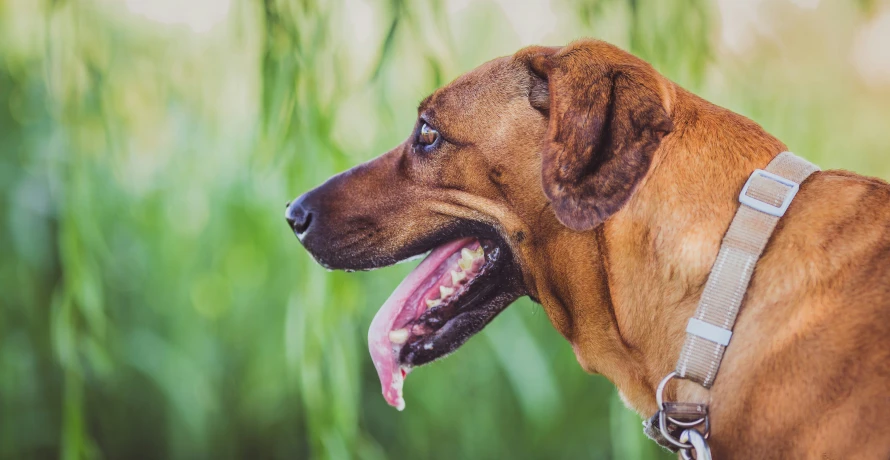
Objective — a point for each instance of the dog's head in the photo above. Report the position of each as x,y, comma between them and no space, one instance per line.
547,140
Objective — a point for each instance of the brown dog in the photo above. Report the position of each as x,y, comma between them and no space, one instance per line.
602,190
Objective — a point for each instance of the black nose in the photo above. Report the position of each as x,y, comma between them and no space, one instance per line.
298,217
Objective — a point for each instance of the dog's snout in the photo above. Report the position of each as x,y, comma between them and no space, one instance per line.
298,216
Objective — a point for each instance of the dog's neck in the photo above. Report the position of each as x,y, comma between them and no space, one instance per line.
634,282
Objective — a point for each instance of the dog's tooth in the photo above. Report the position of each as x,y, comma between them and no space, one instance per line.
465,264
445,291
457,277
478,253
398,336
430,303
466,254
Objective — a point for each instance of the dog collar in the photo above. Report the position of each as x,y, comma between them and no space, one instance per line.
764,200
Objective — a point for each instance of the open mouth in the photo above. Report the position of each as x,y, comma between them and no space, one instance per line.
457,289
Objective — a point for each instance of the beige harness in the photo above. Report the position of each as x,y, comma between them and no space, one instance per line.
764,200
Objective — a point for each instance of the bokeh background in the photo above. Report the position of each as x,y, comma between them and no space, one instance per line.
154,303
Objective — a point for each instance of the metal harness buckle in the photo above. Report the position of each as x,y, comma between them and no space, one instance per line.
691,441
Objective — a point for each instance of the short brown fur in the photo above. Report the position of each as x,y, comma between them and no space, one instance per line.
614,194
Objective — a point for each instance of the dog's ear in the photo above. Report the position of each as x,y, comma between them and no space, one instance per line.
606,119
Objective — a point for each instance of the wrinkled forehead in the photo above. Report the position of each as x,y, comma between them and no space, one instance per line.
485,92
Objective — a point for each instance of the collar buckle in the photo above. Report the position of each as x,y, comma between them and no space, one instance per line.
764,206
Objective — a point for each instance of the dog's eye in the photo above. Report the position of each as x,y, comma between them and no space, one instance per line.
427,135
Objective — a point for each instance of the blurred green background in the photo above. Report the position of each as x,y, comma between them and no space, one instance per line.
154,303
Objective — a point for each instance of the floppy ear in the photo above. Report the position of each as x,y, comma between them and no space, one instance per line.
606,119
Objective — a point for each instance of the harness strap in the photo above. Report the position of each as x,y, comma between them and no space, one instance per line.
765,198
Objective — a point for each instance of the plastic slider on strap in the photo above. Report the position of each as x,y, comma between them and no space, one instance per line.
708,331
764,207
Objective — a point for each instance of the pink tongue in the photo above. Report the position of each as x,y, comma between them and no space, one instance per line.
386,355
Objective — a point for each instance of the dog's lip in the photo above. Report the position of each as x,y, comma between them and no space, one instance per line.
462,316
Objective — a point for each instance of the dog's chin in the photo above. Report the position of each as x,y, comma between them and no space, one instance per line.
452,294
